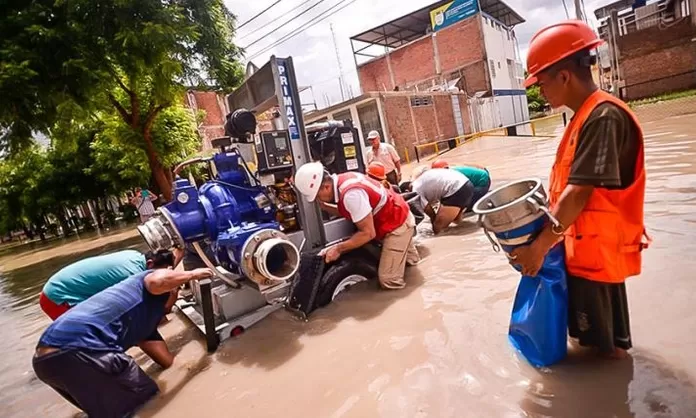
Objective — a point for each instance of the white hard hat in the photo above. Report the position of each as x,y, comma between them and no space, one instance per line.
373,135
308,180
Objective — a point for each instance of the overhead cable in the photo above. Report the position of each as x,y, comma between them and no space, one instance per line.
267,25
285,23
258,14
304,27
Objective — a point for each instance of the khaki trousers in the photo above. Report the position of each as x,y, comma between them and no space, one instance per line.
398,248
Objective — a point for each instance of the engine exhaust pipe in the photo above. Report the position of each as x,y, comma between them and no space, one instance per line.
269,256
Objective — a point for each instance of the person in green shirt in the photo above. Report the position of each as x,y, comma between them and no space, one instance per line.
77,282
479,177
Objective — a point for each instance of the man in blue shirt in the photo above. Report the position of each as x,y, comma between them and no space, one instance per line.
79,281
82,354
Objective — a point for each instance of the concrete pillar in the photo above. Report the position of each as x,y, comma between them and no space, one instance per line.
436,57
391,71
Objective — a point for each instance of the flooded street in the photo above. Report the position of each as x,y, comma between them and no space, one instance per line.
23,272
439,347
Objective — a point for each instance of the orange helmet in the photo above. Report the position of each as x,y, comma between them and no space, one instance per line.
376,170
440,163
555,43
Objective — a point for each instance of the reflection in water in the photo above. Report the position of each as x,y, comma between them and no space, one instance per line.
435,349
638,386
22,321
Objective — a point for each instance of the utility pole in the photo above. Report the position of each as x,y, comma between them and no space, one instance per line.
578,10
613,47
338,59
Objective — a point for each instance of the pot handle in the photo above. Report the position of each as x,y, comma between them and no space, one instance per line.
495,245
542,207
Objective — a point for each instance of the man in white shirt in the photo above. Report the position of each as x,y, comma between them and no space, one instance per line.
386,154
377,212
451,188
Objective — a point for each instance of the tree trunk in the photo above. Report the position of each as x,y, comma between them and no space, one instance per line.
158,171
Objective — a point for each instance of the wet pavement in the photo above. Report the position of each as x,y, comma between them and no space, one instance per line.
439,347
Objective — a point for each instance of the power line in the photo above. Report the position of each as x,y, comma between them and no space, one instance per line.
566,9
258,14
303,28
283,24
264,26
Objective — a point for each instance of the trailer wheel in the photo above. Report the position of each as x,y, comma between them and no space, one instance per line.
341,276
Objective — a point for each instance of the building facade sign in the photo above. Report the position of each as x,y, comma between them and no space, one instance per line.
452,13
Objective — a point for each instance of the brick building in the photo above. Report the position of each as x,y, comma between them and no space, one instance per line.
215,107
403,118
654,43
467,44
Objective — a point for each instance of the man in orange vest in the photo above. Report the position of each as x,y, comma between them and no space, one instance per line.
596,190
377,212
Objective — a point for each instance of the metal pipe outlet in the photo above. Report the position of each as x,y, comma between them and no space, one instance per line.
277,259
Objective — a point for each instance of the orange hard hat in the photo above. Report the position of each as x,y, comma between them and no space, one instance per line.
376,170
555,43
440,163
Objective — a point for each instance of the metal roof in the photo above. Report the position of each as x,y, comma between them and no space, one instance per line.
605,11
415,25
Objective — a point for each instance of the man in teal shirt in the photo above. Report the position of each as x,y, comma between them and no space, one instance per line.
479,177
79,281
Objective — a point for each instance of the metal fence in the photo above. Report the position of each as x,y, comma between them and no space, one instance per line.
435,148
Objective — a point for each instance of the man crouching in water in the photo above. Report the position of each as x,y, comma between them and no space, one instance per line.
79,281
82,355
377,212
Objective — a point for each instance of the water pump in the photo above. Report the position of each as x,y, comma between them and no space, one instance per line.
234,214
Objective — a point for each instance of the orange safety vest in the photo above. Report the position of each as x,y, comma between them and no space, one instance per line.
604,243
387,218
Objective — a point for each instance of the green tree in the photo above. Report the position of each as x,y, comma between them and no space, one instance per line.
119,160
535,100
20,183
129,59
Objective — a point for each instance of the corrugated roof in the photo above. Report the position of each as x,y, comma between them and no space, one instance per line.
412,26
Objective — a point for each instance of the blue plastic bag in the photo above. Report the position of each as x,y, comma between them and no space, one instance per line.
539,321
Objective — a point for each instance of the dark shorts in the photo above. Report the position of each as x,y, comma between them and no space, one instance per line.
479,192
461,198
102,384
598,314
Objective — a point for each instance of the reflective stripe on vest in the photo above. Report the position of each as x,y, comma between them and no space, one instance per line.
346,185
389,209
605,242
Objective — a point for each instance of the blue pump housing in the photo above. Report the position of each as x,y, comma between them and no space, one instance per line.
224,212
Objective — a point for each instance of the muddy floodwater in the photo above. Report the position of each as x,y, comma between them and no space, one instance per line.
439,347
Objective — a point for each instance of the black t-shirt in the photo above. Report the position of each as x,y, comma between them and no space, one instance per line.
607,149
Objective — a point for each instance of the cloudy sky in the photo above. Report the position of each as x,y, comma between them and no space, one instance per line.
313,49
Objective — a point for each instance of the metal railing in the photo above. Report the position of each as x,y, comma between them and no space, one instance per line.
629,22
444,145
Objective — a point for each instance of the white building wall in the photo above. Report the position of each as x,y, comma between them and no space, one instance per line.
506,71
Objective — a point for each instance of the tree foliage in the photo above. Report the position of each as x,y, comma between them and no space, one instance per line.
535,100
126,62
92,158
